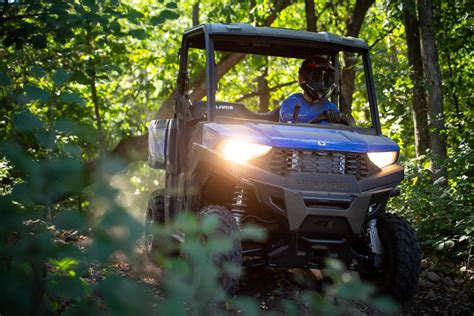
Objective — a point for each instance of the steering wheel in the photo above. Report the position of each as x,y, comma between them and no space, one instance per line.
339,118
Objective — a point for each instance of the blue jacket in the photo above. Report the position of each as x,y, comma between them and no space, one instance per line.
308,110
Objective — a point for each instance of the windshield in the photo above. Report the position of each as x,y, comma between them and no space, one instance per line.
300,93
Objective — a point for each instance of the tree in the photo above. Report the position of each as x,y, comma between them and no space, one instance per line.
310,16
353,24
263,91
196,13
419,106
433,78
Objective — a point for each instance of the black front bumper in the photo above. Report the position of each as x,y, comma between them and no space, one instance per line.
324,212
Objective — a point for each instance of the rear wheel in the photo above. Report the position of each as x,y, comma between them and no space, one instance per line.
155,215
226,228
400,268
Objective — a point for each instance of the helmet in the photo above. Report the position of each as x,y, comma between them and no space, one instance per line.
316,77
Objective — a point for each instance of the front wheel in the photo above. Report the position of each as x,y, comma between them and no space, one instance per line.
226,228
400,268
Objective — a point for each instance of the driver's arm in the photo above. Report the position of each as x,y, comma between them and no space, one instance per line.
287,108
332,106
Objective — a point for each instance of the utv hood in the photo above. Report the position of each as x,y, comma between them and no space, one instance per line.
298,137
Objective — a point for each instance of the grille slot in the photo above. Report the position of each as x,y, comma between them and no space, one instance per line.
290,160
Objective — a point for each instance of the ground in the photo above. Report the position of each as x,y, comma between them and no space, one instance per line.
444,288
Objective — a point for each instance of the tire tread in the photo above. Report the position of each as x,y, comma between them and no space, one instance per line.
407,256
226,227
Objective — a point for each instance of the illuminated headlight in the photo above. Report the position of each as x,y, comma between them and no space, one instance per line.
240,151
384,158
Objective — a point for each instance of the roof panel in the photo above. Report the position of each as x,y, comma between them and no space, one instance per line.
280,34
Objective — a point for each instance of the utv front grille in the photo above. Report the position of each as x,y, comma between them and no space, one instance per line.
284,161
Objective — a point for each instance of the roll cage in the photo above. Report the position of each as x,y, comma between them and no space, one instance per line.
247,39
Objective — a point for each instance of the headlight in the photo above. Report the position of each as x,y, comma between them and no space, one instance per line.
240,151
383,158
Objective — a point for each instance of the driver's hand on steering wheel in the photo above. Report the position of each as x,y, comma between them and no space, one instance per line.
332,116
335,117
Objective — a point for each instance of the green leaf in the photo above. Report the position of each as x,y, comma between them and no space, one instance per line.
125,297
70,220
84,308
65,126
81,78
171,5
45,139
138,33
133,16
65,287
115,26
385,305
209,224
157,20
60,8
90,3
61,76
64,264
26,122
169,15
4,79
34,93
38,72
112,68
253,232
39,41
163,16
247,306
73,98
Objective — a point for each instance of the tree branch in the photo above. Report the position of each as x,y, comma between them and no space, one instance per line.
256,93
224,65
382,36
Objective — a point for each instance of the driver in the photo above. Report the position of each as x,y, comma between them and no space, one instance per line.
316,78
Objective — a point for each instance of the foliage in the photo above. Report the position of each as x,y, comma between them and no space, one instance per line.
441,212
46,275
76,77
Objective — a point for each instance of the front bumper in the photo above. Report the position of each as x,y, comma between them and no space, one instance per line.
322,210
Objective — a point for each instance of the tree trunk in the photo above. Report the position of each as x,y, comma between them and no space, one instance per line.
454,95
196,13
433,78
166,109
310,16
263,92
419,106
354,24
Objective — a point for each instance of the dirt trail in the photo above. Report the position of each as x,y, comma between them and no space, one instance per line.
442,291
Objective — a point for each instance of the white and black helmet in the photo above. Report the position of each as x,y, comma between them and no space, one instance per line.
316,77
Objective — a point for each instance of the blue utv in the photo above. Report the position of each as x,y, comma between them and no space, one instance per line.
319,190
